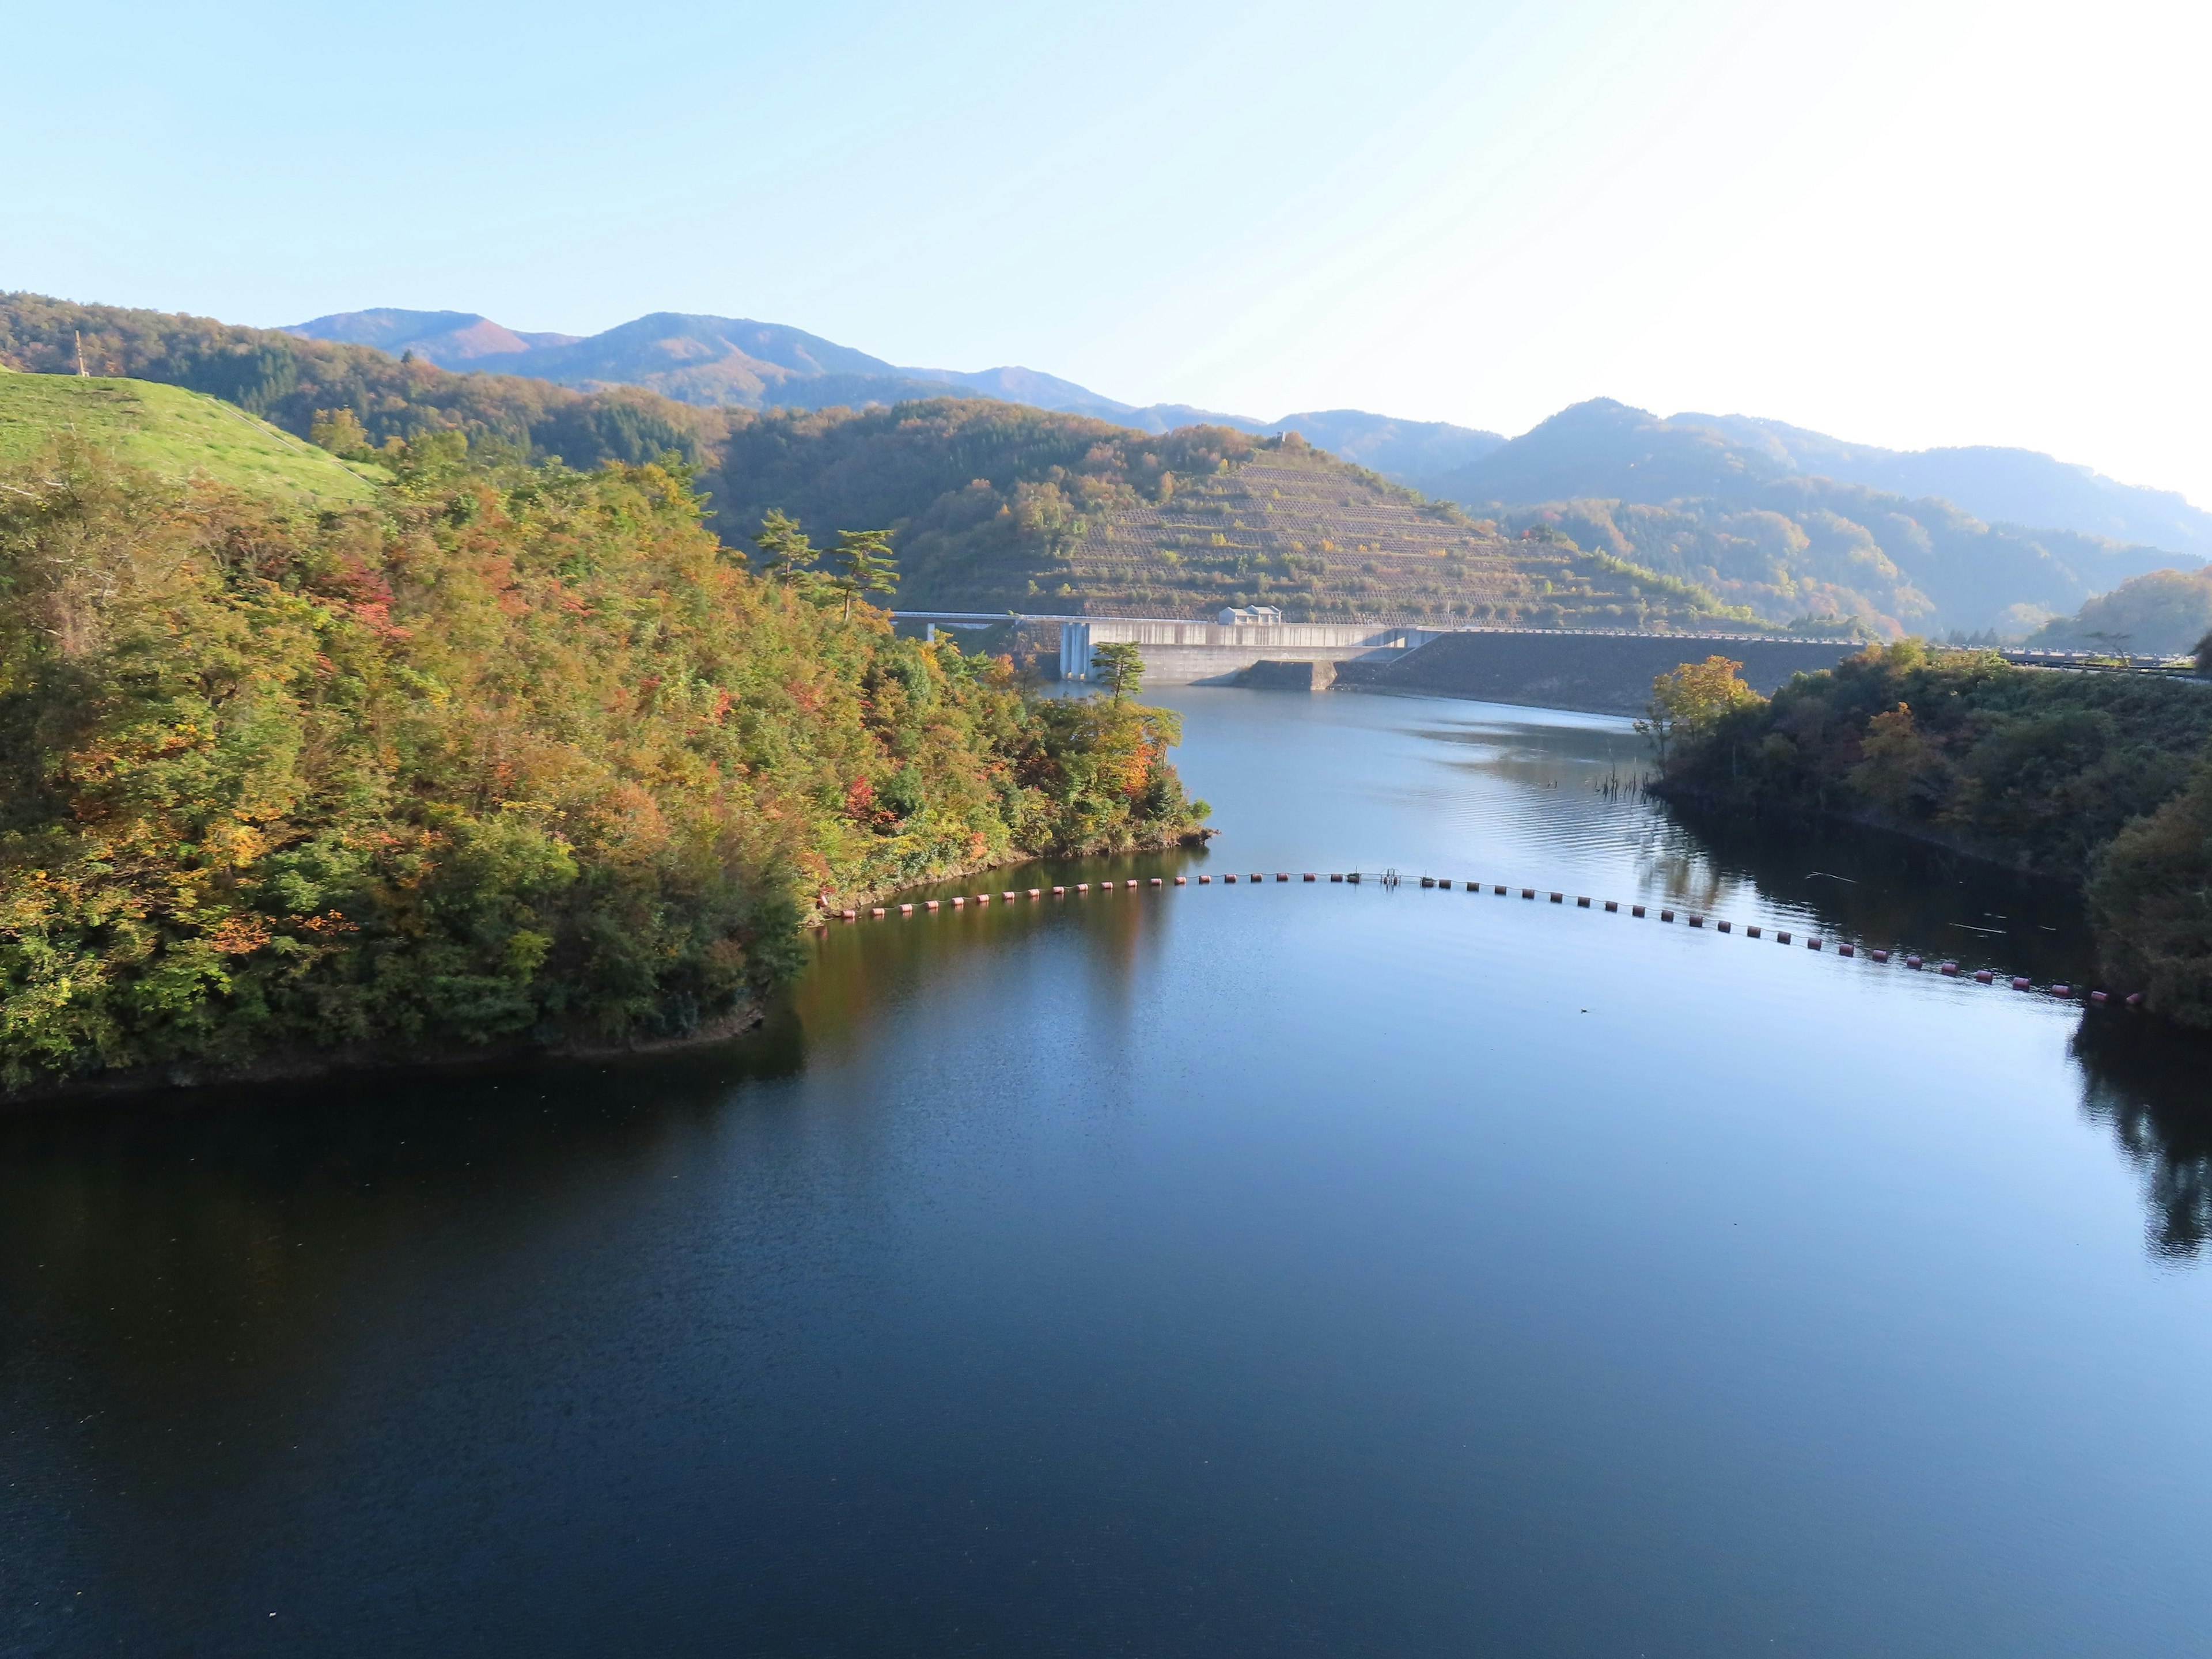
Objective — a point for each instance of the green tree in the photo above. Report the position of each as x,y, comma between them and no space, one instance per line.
340,431
868,566
2204,656
790,556
1120,667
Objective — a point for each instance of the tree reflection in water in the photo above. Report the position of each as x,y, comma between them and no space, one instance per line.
2150,1087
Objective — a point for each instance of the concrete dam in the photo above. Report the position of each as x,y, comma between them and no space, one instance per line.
1597,672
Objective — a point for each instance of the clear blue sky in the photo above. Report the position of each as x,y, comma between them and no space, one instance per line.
1909,224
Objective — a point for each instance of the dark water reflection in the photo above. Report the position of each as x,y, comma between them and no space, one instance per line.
1272,1270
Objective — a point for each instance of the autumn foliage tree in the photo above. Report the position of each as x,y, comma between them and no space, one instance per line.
1691,699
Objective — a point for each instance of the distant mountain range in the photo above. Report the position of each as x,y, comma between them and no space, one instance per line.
1600,449
735,362
1604,448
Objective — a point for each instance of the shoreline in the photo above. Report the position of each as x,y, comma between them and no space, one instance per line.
306,1065
296,1064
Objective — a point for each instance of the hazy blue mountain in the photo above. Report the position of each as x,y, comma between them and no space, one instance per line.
2013,486
2166,612
1605,448
1039,390
725,362
1410,452
1730,507
451,339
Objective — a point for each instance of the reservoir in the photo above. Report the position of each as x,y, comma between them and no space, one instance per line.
1273,1270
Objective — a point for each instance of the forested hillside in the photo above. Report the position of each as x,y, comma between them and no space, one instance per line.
2165,613
1696,502
998,504
1999,485
999,507
289,381
512,754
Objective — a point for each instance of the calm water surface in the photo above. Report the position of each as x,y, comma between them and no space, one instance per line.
1229,1271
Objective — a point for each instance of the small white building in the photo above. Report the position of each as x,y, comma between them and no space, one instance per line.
1248,614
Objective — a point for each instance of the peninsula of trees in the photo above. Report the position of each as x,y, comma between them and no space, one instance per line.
507,755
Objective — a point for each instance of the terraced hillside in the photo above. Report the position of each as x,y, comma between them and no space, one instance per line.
174,432
1294,527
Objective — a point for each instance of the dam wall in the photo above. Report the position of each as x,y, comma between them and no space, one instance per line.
1598,673
1215,654
1606,671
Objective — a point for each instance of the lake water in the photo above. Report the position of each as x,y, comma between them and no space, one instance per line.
1223,1270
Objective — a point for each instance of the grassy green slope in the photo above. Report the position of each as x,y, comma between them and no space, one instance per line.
172,432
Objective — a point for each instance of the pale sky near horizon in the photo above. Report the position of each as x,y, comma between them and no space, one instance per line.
1908,224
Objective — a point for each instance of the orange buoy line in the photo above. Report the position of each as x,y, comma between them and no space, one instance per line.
1696,919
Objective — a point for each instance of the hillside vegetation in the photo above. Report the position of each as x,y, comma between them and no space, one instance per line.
518,754
1733,515
291,382
2165,613
173,433
999,507
2099,780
